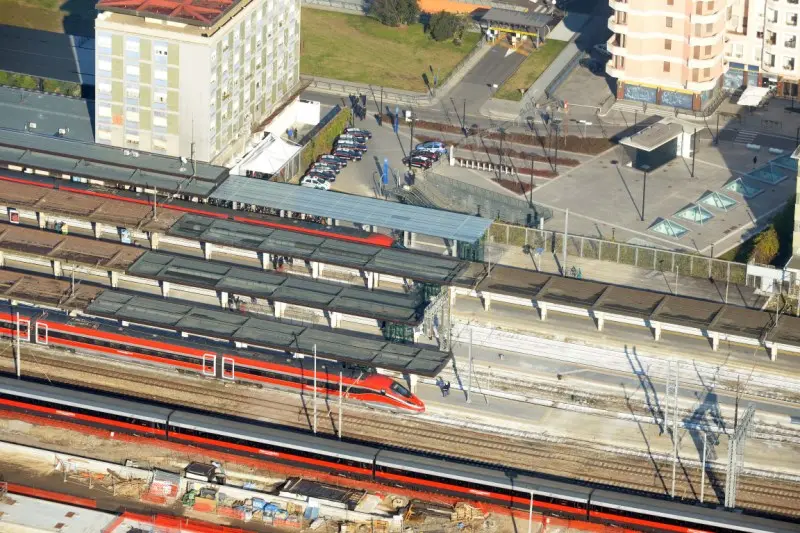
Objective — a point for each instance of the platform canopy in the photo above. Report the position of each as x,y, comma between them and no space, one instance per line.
752,96
351,208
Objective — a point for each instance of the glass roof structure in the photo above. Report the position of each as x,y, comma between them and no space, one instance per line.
357,209
718,201
696,214
669,228
743,188
348,299
787,162
211,322
419,266
769,174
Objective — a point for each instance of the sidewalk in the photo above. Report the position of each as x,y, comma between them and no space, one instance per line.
640,278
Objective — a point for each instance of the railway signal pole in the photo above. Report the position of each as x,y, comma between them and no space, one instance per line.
339,426
736,455
17,354
672,399
315,389
469,364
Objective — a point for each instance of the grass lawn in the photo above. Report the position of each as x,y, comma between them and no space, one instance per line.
361,49
530,70
59,16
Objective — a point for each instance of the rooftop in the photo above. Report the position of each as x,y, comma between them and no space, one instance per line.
50,113
193,12
536,16
143,169
366,350
357,209
654,136
418,266
33,515
274,286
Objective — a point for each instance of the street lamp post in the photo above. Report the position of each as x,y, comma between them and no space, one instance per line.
555,162
644,189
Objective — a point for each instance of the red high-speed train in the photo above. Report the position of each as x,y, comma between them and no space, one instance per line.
211,359
205,209
458,479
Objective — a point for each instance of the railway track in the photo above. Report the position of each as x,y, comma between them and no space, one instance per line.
576,459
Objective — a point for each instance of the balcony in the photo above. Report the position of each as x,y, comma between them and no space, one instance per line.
708,62
706,40
617,27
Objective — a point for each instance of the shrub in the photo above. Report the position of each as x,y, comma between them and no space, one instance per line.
395,12
765,246
443,26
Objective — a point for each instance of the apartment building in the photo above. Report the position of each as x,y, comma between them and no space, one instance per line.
668,52
191,78
762,44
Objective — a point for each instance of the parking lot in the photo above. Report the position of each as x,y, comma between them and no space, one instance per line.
364,177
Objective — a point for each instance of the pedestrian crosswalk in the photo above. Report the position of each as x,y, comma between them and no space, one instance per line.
745,137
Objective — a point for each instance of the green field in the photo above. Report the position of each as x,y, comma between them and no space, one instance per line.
361,49
60,16
530,70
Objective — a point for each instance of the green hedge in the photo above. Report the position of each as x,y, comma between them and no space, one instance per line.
323,142
34,83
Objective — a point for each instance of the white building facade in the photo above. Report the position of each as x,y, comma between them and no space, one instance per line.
195,82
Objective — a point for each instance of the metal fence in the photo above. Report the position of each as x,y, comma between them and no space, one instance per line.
697,266
356,6
455,195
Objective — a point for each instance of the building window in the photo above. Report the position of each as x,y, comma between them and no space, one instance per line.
667,44
669,22
160,120
791,19
132,70
160,74
666,66
132,92
161,50
788,63
132,139
104,65
103,135
104,111
160,97
159,144
706,73
104,41
670,2
709,28
103,87
707,51
132,116
132,45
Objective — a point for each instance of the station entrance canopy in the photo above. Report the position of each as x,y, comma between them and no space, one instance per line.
351,208
203,321
659,143
525,23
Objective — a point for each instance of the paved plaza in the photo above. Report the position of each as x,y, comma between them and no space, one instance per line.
605,193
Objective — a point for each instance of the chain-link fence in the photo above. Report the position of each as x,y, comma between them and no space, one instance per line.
455,195
684,264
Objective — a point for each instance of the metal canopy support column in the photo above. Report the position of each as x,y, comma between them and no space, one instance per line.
154,238
266,260
208,249
736,444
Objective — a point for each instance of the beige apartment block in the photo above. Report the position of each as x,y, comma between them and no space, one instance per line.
668,52
192,79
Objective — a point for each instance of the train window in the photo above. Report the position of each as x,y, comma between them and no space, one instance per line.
128,348
654,520
401,390
330,385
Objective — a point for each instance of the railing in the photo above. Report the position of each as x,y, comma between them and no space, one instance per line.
616,252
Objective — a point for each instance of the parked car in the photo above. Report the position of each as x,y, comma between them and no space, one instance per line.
433,156
353,137
325,167
603,50
315,183
346,153
418,162
322,174
359,131
333,160
432,146
352,144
